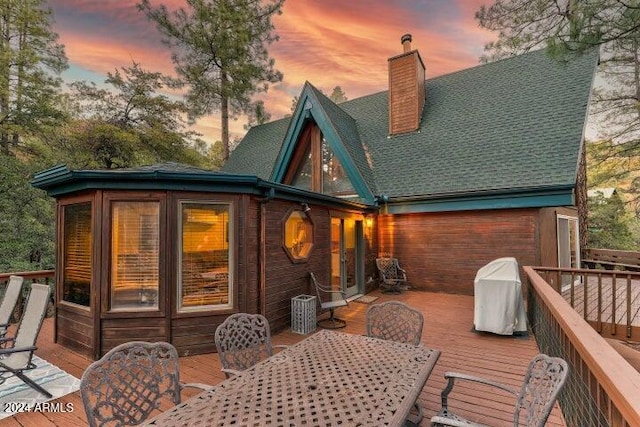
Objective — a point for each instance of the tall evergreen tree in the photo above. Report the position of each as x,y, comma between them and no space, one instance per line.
219,49
31,61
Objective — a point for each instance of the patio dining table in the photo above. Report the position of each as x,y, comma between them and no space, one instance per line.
329,378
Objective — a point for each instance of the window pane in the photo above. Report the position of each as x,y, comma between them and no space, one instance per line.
302,177
298,235
76,280
205,257
334,178
135,255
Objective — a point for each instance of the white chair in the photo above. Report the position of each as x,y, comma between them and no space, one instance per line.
17,358
8,305
337,298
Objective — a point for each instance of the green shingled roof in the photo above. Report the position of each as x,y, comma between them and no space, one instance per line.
515,124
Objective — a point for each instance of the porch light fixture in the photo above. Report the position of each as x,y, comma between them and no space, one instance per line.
305,208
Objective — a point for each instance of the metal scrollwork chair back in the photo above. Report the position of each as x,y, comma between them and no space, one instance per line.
243,340
395,321
130,382
542,383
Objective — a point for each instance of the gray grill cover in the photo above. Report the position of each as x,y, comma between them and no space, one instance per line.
499,307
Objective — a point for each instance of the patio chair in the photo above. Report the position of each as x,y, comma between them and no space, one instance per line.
543,381
15,357
243,340
337,299
8,305
392,276
130,382
396,321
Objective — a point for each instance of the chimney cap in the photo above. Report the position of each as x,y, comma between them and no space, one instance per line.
405,38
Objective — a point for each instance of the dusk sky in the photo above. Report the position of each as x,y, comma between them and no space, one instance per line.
327,42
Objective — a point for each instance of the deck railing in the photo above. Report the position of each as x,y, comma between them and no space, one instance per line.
43,276
602,389
609,300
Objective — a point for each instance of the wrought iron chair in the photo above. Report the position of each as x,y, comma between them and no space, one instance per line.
338,299
543,381
11,294
243,340
396,321
17,352
130,382
392,276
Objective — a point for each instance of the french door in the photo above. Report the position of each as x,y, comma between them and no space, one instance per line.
347,242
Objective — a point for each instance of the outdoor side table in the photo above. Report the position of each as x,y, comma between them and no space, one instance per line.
303,314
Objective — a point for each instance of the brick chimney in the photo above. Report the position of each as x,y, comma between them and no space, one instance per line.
406,89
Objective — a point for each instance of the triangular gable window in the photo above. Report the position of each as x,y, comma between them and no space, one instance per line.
314,166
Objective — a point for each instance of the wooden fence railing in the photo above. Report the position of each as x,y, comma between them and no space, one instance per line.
602,389
609,300
43,276
611,259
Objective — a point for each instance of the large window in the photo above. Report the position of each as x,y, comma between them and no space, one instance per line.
204,273
314,166
76,262
135,246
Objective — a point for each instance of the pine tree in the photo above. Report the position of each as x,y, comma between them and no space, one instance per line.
31,61
219,49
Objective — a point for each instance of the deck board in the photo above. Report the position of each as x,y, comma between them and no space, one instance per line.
448,327
613,304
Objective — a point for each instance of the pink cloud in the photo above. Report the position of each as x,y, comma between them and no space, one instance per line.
327,42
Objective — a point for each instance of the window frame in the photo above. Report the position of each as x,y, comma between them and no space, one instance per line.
231,261
133,196
311,142
62,205
312,240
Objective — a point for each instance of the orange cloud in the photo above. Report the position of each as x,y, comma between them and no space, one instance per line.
327,42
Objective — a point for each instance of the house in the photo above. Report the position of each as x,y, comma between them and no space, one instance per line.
445,173
464,168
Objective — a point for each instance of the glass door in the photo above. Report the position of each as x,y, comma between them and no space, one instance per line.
568,246
346,255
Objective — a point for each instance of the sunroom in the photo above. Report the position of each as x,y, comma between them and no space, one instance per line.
167,252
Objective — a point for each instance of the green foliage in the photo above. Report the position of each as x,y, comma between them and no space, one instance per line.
31,60
128,125
609,224
565,27
26,218
338,95
219,51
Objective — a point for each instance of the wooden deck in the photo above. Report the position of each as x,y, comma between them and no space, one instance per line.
609,301
448,327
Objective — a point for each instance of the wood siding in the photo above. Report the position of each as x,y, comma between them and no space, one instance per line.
264,277
75,329
442,252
